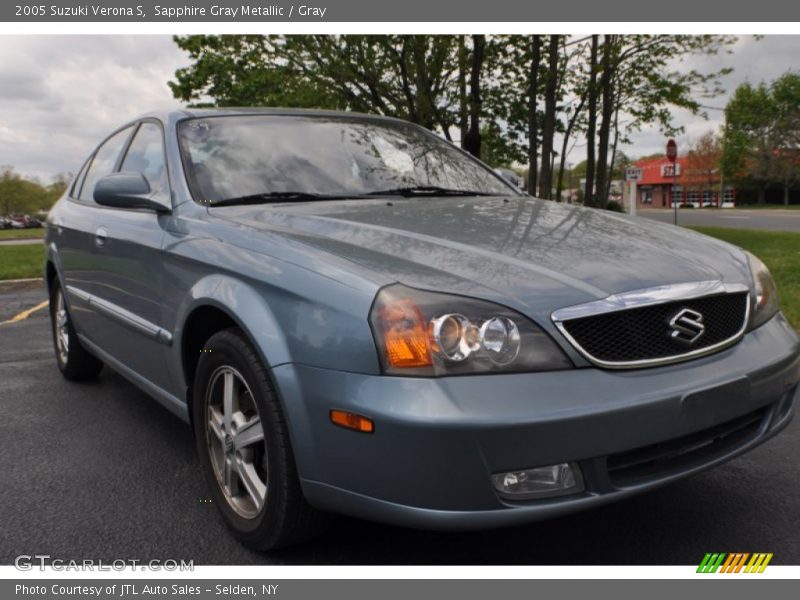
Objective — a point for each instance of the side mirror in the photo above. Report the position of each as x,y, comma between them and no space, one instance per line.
126,190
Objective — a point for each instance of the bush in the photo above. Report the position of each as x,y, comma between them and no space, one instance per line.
615,206
686,205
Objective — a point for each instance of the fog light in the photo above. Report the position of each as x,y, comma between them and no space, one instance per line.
541,482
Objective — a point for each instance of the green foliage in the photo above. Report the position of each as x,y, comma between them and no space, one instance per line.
405,76
615,206
648,89
243,70
761,137
27,196
427,79
495,149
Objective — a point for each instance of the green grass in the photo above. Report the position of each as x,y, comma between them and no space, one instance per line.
780,251
26,260
21,234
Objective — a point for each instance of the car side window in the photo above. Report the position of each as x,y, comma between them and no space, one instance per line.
146,156
76,185
103,163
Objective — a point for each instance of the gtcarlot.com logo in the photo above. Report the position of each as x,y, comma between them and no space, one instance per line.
734,562
42,562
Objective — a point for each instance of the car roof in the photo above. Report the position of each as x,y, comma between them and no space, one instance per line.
175,115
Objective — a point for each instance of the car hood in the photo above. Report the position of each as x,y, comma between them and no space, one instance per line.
524,252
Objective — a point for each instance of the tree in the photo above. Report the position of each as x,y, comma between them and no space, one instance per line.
405,76
472,141
520,90
572,120
512,83
588,193
761,136
608,63
704,157
637,79
549,124
244,70
533,116
21,195
786,99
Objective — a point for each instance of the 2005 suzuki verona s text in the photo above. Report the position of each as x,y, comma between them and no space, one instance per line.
357,317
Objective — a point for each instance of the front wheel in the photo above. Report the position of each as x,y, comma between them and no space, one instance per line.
74,361
244,448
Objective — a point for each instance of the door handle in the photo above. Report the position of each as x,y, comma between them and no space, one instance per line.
100,237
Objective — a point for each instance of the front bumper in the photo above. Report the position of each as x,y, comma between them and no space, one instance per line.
437,441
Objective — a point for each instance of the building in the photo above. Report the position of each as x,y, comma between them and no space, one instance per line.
695,183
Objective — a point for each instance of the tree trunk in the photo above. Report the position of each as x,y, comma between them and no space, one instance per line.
426,110
462,89
588,192
562,161
533,117
472,142
549,125
605,124
613,155
565,145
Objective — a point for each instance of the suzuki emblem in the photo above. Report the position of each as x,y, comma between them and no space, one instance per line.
687,326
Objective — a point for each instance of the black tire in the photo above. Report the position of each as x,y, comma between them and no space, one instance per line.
285,518
74,361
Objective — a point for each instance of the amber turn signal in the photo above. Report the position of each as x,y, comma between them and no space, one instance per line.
353,421
405,335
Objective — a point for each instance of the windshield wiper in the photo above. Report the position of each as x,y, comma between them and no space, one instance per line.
289,196
266,197
427,190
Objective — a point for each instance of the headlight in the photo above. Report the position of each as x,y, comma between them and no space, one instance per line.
766,302
429,334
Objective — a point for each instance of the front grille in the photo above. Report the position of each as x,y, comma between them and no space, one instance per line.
660,460
643,334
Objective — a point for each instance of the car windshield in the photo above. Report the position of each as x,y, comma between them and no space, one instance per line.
263,158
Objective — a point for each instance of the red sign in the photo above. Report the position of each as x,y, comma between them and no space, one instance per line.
672,151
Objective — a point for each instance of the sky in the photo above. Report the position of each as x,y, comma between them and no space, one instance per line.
60,95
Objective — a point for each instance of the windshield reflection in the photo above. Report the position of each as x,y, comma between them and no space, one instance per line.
244,156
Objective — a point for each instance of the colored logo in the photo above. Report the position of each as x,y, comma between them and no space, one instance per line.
735,562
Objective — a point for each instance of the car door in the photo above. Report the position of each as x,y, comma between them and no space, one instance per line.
76,227
129,279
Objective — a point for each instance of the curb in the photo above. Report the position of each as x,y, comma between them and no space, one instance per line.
6,282
20,241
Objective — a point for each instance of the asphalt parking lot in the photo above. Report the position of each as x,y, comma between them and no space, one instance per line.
773,219
100,471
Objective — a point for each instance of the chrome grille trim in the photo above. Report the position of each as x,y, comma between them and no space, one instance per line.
649,297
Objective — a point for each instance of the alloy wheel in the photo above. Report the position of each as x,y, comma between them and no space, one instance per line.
235,442
62,328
